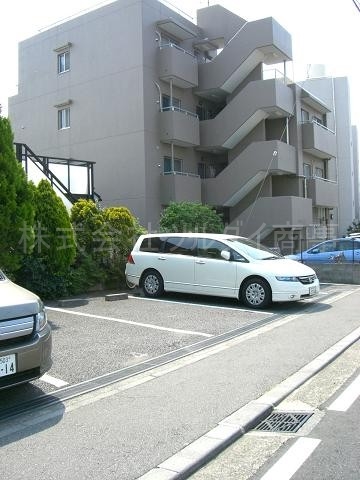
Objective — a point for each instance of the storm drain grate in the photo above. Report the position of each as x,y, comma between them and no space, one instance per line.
284,422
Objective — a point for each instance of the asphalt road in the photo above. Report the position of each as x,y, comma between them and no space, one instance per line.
124,429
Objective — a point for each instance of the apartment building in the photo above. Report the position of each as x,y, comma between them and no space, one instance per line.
171,110
335,90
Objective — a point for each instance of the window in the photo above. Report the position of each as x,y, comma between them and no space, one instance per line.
326,247
166,103
211,248
152,244
317,120
63,62
64,118
319,172
304,115
168,168
307,170
180,245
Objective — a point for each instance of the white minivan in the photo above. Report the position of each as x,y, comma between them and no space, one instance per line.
220,265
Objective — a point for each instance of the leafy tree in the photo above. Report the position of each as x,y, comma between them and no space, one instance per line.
104,238
190,217
16,205
122,228
89,226
354,227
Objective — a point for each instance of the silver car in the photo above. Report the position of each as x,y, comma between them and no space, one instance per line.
25,335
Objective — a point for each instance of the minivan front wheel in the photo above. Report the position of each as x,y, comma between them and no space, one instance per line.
152,284
256,293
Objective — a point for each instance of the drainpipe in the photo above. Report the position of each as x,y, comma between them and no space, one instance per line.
172,157
305,188
287,131
285,72
171,93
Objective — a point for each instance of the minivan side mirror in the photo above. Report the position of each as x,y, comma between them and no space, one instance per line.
225,254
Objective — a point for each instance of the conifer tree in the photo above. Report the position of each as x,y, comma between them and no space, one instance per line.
16,207
54,235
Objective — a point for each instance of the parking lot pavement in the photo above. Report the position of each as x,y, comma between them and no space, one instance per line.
99,337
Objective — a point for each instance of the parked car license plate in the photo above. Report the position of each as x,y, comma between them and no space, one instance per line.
312,290
7,365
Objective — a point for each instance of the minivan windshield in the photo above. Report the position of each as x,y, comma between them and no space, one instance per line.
254,250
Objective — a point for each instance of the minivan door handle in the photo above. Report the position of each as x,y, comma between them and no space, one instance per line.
200,262
161,258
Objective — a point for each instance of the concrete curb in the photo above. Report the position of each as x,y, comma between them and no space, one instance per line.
72,302
188,460
111,297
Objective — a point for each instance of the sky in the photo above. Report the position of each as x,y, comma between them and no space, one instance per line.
323,32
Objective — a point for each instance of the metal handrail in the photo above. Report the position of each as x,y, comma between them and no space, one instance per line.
322,178
184,174
173,45
317,123
181,110
24,153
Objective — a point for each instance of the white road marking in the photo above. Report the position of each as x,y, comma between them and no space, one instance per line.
224,307
347,398
53,381
292,460
129,322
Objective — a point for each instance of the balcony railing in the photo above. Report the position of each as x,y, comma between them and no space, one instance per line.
318,140
180,186
184,174
316,122
181,110
173,45
179,126
177,66
274,73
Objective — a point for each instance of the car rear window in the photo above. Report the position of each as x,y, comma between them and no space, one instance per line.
152,244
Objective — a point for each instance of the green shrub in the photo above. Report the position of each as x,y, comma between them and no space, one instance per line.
190,217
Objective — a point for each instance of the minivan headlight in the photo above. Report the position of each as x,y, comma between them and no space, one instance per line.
41,318
287,279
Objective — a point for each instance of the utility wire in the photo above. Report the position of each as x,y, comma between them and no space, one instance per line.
357,4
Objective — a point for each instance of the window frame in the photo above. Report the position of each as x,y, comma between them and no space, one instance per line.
176,103
307,166
63,118
179,161
63,66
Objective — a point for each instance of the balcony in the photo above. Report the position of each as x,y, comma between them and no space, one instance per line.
324,193
318,140
258,100
271,213
179,127
178,65
246,171
180,187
